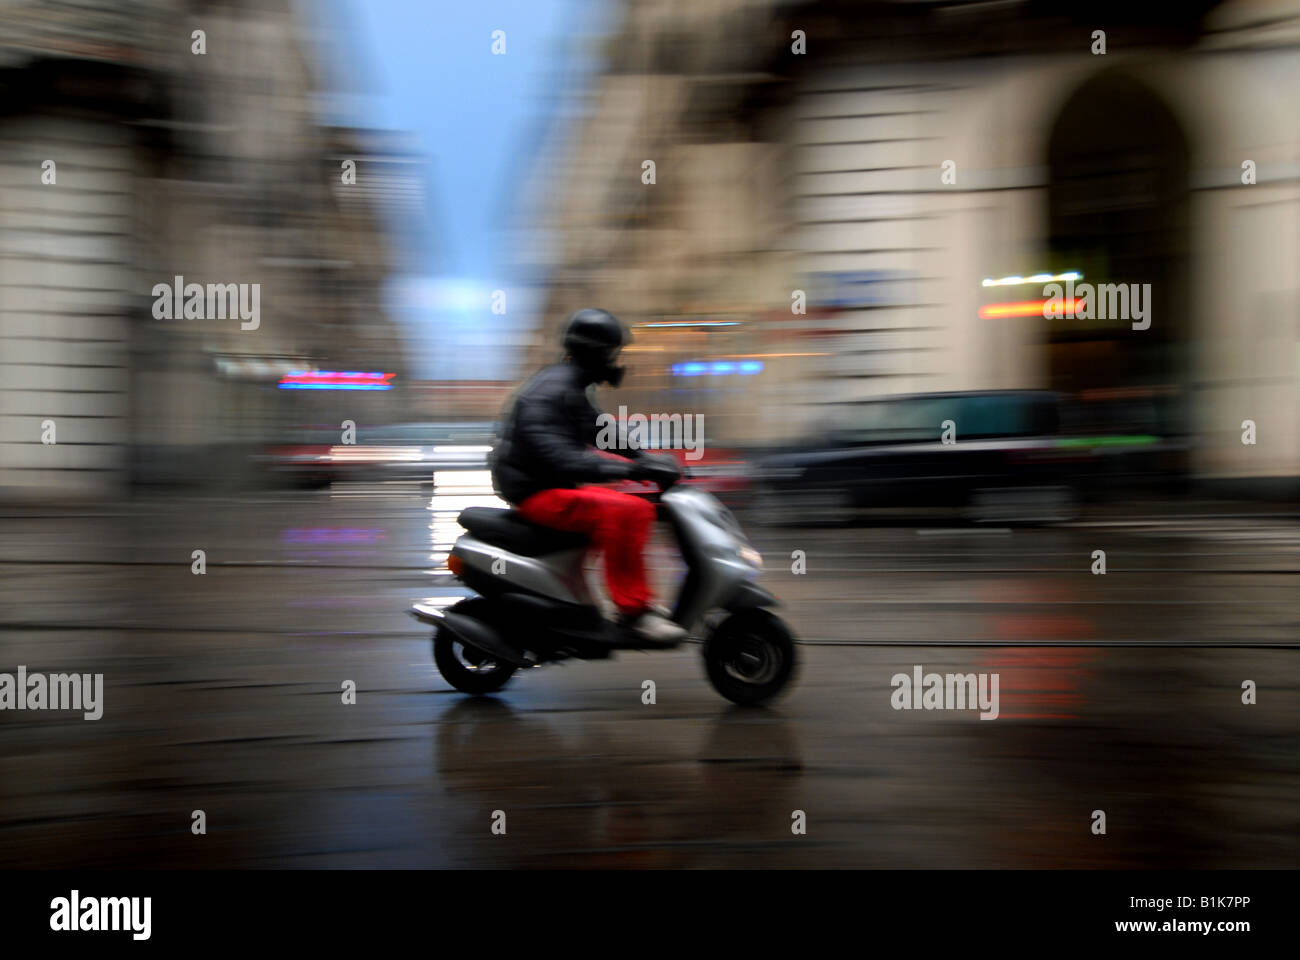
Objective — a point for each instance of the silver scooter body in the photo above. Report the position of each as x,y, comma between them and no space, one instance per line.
721,563
558,576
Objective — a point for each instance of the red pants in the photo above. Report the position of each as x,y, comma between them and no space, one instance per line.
618,524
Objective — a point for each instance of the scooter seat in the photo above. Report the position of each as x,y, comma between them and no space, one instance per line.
509,531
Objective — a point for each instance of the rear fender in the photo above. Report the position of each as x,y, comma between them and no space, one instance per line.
480,636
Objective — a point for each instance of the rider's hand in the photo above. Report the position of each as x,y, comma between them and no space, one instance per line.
657,468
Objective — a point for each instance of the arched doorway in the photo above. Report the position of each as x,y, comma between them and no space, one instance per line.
1118,211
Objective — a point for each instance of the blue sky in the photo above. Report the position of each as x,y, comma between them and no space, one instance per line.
479,120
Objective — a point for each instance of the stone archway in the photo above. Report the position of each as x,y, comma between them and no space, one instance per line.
1118,203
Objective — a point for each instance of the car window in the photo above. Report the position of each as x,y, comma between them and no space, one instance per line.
905,420
860,423
1007,415
993,416
919,419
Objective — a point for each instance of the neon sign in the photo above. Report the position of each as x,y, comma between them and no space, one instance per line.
333,380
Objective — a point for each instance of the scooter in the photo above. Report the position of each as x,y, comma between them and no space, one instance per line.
534,606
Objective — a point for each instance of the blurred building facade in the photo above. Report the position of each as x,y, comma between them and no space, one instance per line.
170,162
457,400
909,153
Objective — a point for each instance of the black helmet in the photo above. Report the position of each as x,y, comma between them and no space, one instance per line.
593,338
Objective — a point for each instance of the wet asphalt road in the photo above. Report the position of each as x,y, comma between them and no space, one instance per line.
223,694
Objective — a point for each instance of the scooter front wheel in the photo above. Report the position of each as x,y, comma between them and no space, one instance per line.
467,669
750,657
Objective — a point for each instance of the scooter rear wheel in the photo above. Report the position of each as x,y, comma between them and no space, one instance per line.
467,669
750,657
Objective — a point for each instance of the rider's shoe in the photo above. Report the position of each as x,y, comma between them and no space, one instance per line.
652,629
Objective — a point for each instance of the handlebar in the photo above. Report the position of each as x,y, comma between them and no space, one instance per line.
657,489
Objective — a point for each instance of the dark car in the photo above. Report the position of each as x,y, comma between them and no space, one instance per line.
994,455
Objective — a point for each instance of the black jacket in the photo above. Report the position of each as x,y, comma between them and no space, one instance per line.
547,438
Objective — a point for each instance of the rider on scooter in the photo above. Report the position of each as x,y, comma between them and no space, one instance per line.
546,454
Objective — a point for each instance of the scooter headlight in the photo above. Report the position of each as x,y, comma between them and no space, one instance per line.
750,556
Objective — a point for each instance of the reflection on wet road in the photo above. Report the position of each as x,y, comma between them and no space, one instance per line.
223,693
